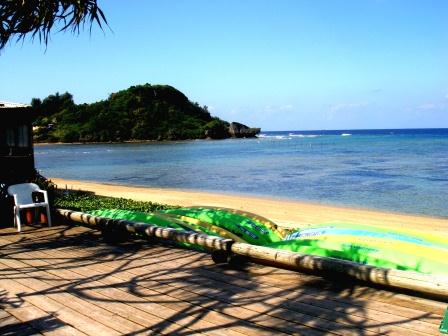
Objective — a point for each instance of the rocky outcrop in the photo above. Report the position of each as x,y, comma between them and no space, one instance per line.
237,130
216,133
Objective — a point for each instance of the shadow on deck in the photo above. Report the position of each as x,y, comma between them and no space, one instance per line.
67,281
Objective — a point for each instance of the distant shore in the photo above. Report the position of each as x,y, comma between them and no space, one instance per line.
109,142
287,213
37,144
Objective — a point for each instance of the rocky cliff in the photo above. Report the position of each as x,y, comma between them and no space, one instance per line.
237,130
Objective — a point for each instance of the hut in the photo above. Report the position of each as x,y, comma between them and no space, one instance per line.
16,143
16,149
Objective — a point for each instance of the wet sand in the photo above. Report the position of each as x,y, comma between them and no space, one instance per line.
287,213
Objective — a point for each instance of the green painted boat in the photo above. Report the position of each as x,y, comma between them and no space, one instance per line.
399,249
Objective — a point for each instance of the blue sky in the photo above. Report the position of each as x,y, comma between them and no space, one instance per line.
278,64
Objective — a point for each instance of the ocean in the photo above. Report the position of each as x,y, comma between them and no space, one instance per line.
402,170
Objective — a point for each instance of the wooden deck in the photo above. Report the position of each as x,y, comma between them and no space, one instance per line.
66,281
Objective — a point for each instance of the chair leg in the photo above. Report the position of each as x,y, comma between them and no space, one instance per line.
48,215
15,216
17,219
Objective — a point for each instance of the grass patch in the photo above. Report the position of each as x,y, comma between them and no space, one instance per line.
84,202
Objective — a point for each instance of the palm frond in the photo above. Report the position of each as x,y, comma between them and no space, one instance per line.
20,18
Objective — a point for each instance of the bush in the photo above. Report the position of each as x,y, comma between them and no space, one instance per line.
84,202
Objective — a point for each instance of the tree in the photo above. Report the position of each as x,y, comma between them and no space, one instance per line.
142,112
20,18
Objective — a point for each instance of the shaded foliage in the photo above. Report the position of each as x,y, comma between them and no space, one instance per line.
39,17
143,112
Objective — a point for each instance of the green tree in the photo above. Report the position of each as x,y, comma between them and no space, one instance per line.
142,112
20,18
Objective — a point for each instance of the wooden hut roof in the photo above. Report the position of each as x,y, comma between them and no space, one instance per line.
4,104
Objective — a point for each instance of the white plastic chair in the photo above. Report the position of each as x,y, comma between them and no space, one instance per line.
23,199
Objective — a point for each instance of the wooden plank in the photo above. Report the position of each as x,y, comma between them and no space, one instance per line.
285,278
107,303
67,315
43,322
132,315
220,275
3,313
194,316
408,313
10,325
7,320
376,291
393,298
329,312
106,290
258,332
84,307
114,295
56,252
175,263
283,325
267,276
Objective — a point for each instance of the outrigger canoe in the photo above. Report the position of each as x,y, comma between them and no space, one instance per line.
398,249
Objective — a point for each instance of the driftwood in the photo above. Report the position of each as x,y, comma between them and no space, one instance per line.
423,283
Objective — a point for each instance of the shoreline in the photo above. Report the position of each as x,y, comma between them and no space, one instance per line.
38,144
284,212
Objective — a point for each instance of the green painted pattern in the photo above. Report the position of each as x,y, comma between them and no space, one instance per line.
249,229
435,239
397,249
395,255
444,324
151,219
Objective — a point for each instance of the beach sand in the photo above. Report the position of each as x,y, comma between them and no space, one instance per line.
287,213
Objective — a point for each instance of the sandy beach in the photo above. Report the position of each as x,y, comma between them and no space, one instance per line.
286,213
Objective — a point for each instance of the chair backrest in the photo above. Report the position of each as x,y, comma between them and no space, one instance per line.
23,192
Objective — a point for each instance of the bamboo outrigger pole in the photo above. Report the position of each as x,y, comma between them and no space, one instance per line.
148,230
418,282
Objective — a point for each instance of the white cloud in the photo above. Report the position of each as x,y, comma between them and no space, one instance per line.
349,106
344,110
288,107
272,109
234,111
427,106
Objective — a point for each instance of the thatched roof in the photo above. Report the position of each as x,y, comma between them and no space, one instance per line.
4,104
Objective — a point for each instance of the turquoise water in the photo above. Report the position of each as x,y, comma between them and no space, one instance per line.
397,170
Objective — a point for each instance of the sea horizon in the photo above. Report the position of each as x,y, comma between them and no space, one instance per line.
369,130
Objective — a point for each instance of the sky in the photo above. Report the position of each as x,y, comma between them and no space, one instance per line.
274,64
